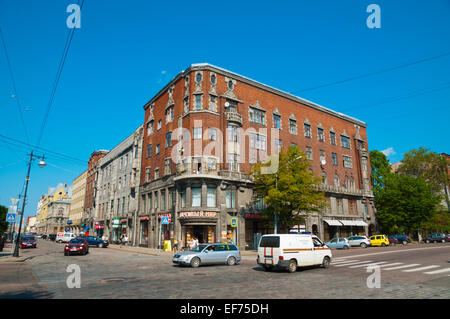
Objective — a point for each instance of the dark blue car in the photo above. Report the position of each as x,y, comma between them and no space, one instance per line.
95,241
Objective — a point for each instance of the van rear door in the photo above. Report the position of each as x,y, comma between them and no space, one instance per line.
269,249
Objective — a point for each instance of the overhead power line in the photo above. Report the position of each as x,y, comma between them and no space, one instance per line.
357,77
13,81
57,77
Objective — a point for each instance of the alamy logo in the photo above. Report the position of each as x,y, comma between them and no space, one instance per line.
374,20
374,280
73,20
74,279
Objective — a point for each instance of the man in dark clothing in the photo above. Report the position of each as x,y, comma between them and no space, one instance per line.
2,242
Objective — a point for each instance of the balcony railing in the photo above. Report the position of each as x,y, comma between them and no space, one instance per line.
234,117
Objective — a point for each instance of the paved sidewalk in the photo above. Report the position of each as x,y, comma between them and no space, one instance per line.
7,255
158,252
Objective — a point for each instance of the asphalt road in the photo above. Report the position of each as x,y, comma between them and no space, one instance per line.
412,271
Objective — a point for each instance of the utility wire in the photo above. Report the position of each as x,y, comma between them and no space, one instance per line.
357,77
13,81
57,77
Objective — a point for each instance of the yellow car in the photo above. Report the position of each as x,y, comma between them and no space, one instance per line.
379,240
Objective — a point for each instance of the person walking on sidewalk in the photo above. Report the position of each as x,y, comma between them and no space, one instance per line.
125,240
2,241
122,240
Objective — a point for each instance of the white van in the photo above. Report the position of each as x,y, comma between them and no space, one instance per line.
292,250
64,237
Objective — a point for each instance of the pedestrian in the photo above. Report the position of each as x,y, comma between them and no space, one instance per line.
121,240
2,242
193,244
125,240
175,245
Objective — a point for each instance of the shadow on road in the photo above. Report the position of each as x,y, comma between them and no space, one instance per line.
27,294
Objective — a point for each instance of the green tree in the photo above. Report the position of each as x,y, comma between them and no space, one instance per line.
3,222
405,203
290,189
428,165
380,168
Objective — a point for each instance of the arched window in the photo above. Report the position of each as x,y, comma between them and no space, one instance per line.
346,181
352,183
336,180
324,178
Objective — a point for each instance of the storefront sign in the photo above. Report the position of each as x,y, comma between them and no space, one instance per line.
253,216
115,222
197,214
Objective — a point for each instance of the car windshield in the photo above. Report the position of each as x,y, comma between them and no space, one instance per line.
199,248
76,241
28,238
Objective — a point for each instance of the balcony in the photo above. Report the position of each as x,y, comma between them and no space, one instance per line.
234,117
341,190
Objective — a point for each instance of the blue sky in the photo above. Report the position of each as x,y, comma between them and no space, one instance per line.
125,51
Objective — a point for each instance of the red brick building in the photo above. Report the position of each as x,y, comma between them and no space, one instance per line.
90,193
204,130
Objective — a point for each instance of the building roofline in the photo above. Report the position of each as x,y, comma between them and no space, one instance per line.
207,66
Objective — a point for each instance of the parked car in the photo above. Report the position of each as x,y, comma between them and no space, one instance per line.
338,243
52,237
393,240
361,241
76,246
64,237
435,238
291,251
403,239
208,254
379,240
95,241
27,242
44,236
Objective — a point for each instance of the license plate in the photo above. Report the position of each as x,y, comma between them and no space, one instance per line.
73,249
29,245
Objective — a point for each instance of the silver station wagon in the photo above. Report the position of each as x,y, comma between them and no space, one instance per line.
208,254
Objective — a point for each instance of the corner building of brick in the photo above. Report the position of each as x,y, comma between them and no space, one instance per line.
205,129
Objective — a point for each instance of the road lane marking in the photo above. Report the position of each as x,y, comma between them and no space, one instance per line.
400,267
353,263
398,251
421,268
437,271
369,265
393,264
343,261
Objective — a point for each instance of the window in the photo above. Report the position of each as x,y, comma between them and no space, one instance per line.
167,168
322,157
334,159
149,150
233,162
231,198
156,198
307,128
346,181
198,77
211,196
345,141
120,183
309,153
150,128
333,138
212,163
258,142
213,78
347,161
212,103
364,163
157,173
257,116
149,201
352,183
186,105
196,195
169,139
158,149
183,197
292,126
232,132
320,134
324,178
278,145
163,199
198,102
336,180
170,114
159,125
212,134
277,121
197,133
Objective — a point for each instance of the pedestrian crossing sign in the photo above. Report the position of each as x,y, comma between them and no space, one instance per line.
165,220
233,222
11,218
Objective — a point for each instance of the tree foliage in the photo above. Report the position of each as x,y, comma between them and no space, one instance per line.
3,222
380,168
405,203
290,189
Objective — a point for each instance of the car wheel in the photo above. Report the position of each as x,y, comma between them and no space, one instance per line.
66,254
443,240
404,242
383,244
231,261
346,247
292,266
326,262
195,262
363,245
100,245
427,241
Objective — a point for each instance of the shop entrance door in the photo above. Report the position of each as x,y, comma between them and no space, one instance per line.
199,233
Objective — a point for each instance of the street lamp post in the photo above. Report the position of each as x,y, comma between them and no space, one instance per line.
41,164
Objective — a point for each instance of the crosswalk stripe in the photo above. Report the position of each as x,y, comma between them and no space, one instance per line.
369,265
343,261
421,268
393,264
400,267
353,263
440,271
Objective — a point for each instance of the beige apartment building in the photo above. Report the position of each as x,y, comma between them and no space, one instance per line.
77,203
